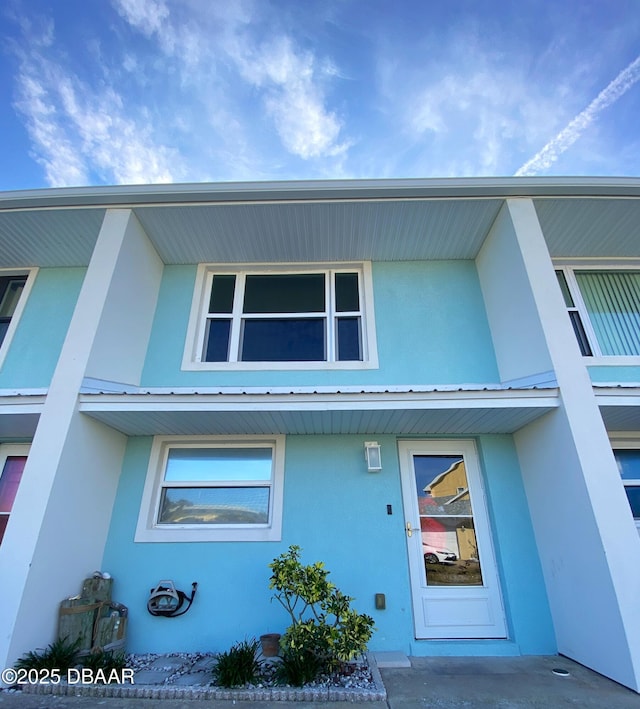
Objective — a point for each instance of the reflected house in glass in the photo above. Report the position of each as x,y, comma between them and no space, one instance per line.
446,518
189,373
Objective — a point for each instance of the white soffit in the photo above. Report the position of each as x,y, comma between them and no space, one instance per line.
619,406
320,220
19,416
446,412
583,228
17,427
48,237
320,231
352,421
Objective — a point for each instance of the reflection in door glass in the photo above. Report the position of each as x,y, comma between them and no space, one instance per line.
446,519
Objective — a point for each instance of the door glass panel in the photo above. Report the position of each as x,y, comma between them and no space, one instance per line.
448,533
9,480
10,477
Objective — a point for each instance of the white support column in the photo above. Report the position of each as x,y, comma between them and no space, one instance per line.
584,531
62,511
518,338
120,345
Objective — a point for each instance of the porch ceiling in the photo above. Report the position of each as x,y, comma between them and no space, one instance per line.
19,416
320,231
619,407
590,227
452,413
320,221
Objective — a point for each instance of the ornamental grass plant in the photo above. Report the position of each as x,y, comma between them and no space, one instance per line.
239,665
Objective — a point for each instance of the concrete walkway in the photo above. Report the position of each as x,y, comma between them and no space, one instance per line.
440,683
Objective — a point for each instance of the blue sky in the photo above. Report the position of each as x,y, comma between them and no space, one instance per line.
144,91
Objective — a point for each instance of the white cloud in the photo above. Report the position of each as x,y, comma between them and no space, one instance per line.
290,82
148,16
53,150
115,144
478,115
568,136
78,129
293,97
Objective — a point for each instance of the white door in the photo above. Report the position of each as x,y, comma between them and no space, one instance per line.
454,580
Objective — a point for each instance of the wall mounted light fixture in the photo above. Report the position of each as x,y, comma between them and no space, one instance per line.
372,456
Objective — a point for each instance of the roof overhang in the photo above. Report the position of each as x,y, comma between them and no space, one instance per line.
619,406
332,220
19,415
398,413
313,190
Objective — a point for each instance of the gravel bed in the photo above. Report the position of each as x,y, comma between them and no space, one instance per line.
188,676
354,675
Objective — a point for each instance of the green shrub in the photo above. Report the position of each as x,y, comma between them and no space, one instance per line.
298,667
238,666
107,661
323,625
60,655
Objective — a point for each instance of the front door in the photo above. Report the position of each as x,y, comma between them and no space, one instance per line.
454,580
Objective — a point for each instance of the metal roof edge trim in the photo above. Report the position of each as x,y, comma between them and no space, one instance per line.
616,385
23,392
274,191
533,390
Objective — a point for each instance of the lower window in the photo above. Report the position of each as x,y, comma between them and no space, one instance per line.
628,460
213,489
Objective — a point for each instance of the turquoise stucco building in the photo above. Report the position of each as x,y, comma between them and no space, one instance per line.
191,377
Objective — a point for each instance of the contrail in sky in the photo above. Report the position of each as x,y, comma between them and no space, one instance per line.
568,136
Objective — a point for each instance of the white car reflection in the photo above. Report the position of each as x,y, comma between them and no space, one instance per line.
435,555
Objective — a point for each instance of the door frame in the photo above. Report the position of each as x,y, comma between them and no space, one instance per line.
439,612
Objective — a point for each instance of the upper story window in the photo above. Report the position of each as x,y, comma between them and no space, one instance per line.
604,307
14,287
282,317
11,288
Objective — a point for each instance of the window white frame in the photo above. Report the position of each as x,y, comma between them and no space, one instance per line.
196,331
30,274
621,441
148,530
569,269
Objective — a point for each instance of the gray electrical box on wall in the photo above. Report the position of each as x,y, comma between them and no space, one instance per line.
381,601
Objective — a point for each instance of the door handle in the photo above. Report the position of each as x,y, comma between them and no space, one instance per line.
410,529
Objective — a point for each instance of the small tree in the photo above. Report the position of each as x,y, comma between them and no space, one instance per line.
325,631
